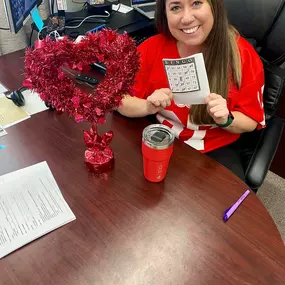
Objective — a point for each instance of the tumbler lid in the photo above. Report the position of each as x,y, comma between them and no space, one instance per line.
158,136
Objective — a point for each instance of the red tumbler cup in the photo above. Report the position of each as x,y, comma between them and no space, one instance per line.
157,147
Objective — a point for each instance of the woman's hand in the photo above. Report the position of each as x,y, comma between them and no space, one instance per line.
135,107
159,99
217,108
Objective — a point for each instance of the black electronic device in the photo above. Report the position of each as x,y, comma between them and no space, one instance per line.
99,67
99,9
140,39
76,19
17,97
86,78
17,11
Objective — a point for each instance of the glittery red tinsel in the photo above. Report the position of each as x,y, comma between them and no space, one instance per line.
99,156
44,74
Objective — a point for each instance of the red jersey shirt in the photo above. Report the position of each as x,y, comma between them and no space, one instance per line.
247,100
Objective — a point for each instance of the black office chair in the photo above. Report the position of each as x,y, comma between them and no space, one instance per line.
262,22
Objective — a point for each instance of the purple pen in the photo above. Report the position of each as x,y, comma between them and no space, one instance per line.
233,208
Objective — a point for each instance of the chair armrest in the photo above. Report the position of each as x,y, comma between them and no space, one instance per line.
274,89
264,153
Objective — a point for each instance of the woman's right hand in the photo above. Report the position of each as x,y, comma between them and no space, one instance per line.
159,100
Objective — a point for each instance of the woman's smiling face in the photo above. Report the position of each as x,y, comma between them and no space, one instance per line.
189,21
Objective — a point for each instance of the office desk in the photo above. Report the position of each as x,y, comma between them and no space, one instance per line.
130,231
133,22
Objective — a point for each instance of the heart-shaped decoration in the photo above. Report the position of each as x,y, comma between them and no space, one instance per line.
45,73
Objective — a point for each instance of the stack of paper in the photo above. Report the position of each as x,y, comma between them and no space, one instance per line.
2,89
2,132
31,205
33,103
10,114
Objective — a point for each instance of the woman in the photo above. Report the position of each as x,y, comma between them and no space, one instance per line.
235,74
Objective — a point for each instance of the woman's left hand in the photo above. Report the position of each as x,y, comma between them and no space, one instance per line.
217,108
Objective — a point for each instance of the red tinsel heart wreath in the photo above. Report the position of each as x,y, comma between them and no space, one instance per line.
44,73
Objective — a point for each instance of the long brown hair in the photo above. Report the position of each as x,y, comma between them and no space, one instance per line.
221,55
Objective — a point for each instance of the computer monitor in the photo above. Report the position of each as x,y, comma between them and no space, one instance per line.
17,11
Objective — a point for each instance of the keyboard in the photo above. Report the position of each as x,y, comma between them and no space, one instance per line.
148,8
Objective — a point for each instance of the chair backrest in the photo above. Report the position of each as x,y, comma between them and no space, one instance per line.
262,22
274,46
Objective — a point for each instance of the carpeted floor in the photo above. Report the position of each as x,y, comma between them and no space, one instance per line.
272,194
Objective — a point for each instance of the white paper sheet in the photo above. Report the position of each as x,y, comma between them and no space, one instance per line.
122,8
10,112
33,103
188,80
16,122
2,89
31,205
2,132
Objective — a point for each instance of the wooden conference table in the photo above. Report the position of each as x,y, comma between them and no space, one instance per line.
130,231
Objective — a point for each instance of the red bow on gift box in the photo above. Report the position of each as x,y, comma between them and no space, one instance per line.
99,156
